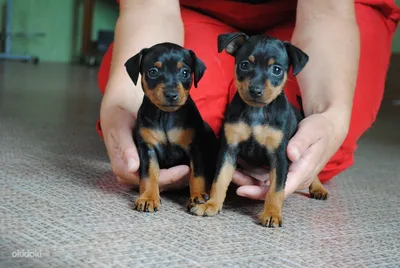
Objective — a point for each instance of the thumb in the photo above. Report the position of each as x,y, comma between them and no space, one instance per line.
131,158
253,191
174,178
305,136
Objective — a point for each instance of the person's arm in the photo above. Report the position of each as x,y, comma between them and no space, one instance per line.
328,32
141,23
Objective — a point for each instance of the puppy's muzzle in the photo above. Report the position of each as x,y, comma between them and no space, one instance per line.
256,91
171,95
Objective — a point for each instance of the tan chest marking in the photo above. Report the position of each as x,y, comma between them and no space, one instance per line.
182,137
152,137
270,137
237,132
265,135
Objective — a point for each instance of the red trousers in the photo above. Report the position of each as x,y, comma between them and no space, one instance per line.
377,20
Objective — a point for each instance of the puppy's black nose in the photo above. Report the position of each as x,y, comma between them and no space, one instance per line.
256,91
171,95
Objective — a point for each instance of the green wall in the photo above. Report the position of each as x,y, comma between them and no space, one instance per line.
61,21
396,37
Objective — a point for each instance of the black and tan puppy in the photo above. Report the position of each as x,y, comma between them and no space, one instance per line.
259,121
169,129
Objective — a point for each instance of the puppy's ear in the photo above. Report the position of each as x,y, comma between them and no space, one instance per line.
198,68
297,57
133,65
231,42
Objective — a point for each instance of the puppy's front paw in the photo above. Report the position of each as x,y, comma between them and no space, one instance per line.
271,218
210,208
197,199
147,204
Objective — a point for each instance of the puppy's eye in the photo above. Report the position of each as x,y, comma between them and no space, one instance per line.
245,65
153,73
276,70
185,73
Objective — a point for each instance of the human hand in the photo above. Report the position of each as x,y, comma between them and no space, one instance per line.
117,124
318,137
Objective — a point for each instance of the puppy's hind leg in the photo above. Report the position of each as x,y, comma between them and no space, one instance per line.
226,165
317,191
197,181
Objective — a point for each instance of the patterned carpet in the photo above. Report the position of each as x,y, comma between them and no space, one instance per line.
61,205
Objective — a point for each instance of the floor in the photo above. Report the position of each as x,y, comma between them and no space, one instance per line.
61,205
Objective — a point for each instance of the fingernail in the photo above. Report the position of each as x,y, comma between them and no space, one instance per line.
131,164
